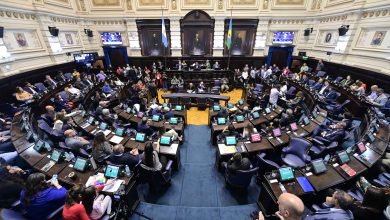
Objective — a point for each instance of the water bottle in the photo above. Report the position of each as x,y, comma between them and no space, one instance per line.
282,187
127,171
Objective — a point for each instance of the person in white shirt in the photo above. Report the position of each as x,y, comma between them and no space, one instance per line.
268,73
244,77
274,96
324,88
73,91
283,89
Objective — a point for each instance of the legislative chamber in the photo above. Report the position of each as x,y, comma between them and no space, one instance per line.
194,109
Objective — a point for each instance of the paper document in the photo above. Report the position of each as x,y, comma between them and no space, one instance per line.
116,139
113,187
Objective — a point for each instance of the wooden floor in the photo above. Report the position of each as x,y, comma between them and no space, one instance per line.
196,117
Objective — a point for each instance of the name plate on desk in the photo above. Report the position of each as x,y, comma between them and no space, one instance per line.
273,181
309,174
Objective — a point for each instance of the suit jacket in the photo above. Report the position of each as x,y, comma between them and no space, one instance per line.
125,159
330,214
60,78
145,129
317,86
51,83
244,165
30,90
381,100
169,115
333,135
330,96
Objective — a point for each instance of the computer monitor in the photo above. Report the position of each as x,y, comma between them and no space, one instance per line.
267,110
164,105
165,140
156,118
80,164
173,120
306,120
370,137
221,121
230,140
255,115
56,155
286,174
230,105
39,146
343,157
293,126
128,110
119,132
140,114
179,108
240,118
314,114
276,132
103,126
318,166
240,102
216,108
361,147
91,120
111,171
255,137
140,137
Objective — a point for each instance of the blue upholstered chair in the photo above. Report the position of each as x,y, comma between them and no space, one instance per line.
240,178
156,178
338,79
291,92
217,85
311,82
52,134
295,155
356,194
265,165
68,76
335,110
41,87
320,148
258,89
321,74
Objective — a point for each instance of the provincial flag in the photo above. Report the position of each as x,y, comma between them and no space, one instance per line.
164,33
229,35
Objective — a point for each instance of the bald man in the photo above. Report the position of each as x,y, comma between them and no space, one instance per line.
49,116
290,207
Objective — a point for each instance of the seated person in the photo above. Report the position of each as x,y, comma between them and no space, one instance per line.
304,80
107,117
286,72
61,103
76,74
73,92
287,118
174,83
143,127
100,147
237,162
380,100
297,101
118,82
151,158
318,85
357,88
22,95
50,82
340,202
30,89
73,208
60,77
49,116
79,84
96,205
41,198
248,130
11,183
216,65
224,84
168,113
101,76
291,207
230,131
304,68
191,88
102,105
328,135
283,88
120,157
347,81
75,142
180,85
158,111
87,80
324,89
373,92
201,87
223,113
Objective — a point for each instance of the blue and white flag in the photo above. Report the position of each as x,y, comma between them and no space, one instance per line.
164,33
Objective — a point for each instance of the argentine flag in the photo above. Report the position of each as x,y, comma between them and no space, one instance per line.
164,33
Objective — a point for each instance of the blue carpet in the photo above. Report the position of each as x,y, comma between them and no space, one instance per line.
198,190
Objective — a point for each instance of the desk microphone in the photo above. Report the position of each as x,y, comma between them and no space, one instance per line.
280,140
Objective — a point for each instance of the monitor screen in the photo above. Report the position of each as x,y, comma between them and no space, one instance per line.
103,126
306,121
164,105
267,110
230,105
84,58
111,38
173,120
293,126
216,108
314,114
140,114
156,118
55,155
343,157
221,121
240,102
165,140
39,145
90,120
318,166
128,109
286,174
361,147
240,118
255,115
119,132
370,137
80,164
276,132
140,137
178,108
111,171
230,140
256,137
283,37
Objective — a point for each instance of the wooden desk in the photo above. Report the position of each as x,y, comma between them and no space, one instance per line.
263,145
271,116
324,180
196,96
310,127
378,146
259,121
56,169
132,143
284,137
241,125
368,157
383,132
300,133
31,156
81,177
354,164
291,186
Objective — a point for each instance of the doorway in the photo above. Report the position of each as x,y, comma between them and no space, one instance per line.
281,56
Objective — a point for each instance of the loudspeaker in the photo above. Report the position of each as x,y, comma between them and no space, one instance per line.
54,31
343,30
307,32
302,54
328,53
68,54
89,33
1,32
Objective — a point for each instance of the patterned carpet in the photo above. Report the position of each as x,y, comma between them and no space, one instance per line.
196,117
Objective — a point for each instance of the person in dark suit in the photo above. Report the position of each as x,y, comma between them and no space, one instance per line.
330,96
287,118
87,81
291,207
331,134
340,203
49,116
60,77
223,113
237,162
50,82
30,89
119,156
304,80
347,81
318,85
168,114
79,84
230,131
143,127
324,89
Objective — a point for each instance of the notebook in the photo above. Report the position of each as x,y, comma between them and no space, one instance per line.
305,184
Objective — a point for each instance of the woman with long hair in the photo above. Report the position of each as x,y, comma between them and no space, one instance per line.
96,205
249,129
101,147
73,209
40,197
151,158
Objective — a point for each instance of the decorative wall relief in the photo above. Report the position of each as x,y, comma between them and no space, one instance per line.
21,40
69,39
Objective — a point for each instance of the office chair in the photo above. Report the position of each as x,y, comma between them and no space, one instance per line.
265,165
52,134
295,155
202,103
157,179
291,92
382,180
338,79
311,82
186,101
321,74
335,110
174,101
41,87
240,178
68,76
258,89
356,194
81,152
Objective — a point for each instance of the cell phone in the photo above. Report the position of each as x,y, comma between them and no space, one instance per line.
53,178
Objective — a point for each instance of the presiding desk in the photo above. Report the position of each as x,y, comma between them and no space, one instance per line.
193,96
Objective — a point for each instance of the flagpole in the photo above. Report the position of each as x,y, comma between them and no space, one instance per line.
229,52
165,57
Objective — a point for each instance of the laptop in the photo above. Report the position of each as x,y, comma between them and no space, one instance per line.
111,171
80,164
216,108
293,126
318,166
276,132
178,108
306,120
173,121
103,126
165,140
267,110
230,105
240,102
221,121
286,174
119,132
230,140
39,146
361,148
156,118
140,137
255,115
343,157
240,118
255,137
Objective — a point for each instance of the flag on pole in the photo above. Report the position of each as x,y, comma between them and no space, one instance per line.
164,33
229,35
